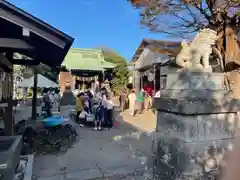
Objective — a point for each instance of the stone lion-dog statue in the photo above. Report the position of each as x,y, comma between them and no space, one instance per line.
196,54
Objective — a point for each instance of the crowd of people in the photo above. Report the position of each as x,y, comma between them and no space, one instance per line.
137,101
97,107
90,107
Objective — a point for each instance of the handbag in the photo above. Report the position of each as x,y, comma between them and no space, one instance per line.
90,118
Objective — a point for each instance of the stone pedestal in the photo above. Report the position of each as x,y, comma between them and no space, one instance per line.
10,147
196,121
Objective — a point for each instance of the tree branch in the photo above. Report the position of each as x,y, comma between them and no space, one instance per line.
174,14
192,14
202,11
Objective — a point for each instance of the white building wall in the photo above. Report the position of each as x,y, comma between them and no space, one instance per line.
147,58
142,62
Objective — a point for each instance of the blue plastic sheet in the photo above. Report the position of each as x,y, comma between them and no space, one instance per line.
53,121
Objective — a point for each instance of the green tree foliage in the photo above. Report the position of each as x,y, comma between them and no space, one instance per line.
26,71
48,72
121,72
21,70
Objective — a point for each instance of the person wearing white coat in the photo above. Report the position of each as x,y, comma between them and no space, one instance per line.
132,102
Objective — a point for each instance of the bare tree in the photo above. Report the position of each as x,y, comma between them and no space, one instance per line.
184,17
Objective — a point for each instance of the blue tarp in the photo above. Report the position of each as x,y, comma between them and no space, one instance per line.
53,121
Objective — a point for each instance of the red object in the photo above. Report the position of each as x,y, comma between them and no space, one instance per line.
149,90
115,124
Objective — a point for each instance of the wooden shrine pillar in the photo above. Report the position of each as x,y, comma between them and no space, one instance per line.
34,99
7,93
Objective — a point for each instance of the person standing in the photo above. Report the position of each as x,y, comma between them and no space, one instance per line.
79,105
122,99
109,106
82,118
98,111
57,99
132,101
140,100
51,96
86,102
148,97
76,92
90,95
47,104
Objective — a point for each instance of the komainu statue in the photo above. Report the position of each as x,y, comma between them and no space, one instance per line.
196,54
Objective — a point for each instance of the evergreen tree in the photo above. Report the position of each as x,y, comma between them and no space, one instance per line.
121,71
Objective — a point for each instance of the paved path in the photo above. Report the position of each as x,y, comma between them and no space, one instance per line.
116,154
123,153
145,122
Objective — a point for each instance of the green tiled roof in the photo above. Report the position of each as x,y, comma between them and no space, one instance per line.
86,59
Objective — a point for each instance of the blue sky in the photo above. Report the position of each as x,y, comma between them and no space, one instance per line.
93,23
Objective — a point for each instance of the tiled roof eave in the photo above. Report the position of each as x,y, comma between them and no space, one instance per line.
167,46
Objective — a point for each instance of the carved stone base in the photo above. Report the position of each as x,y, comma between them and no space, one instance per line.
197,69
234,82
196,123
194,128
193,145
180,160
189,80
